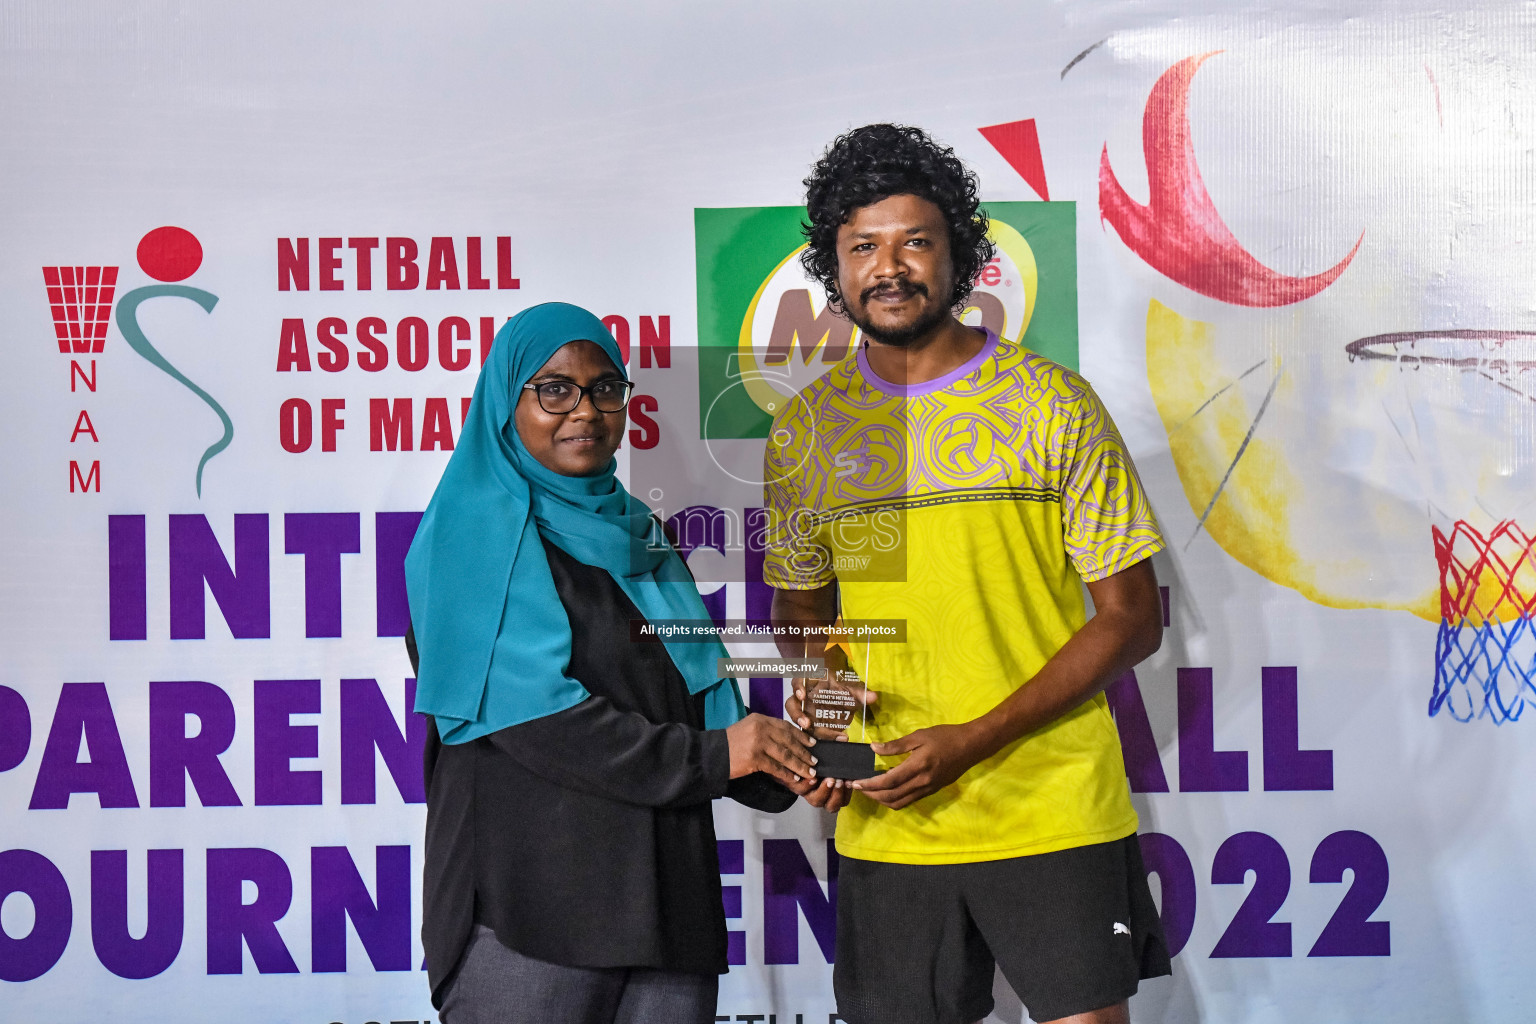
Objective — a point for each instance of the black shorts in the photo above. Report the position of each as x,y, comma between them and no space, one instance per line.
1072,931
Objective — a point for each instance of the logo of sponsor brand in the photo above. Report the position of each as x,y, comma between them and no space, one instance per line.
1120,929
766,330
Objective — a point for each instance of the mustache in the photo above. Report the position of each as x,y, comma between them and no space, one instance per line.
901,286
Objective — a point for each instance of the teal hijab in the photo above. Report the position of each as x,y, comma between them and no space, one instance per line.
493,638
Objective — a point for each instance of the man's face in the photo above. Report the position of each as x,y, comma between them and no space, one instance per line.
894,268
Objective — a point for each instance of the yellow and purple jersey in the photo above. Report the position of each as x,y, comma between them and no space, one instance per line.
971,507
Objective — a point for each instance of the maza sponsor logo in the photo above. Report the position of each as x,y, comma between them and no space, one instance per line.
766,330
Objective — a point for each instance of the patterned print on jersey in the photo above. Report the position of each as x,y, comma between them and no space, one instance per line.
972,507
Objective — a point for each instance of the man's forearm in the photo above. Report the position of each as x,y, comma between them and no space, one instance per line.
1126,629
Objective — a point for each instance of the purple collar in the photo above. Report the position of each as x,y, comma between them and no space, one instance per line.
927,387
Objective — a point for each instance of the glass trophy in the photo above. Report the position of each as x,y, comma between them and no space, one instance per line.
831,704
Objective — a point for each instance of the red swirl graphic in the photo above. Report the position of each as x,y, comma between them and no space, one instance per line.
1178,232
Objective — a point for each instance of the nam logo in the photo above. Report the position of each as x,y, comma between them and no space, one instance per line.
765,330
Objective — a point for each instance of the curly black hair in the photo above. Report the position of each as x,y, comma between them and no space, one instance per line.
876,162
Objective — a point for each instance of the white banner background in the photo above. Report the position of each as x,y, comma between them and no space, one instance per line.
587,135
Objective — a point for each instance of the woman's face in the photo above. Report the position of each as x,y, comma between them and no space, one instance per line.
579,442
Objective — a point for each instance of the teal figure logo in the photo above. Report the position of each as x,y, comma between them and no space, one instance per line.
171,254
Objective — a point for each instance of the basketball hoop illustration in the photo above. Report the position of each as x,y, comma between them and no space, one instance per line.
80,299
1475,401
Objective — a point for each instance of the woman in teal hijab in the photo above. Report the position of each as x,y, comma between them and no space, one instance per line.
571,873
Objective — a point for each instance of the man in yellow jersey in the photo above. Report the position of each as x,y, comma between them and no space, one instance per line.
949,478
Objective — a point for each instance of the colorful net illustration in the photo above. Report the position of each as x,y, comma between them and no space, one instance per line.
81,301
1485,656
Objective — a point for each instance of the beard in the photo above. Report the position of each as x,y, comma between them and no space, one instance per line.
900,336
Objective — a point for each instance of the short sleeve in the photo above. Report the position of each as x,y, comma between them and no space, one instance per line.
793,557
1107,521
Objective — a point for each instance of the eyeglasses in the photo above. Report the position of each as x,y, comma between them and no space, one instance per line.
562,396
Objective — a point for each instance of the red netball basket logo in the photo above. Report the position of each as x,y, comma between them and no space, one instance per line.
81,301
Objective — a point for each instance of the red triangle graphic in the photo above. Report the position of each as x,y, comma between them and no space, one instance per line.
1019,144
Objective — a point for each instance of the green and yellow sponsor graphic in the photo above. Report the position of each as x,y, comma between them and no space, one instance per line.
765,330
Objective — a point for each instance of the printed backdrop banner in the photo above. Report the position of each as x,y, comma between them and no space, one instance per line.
256,254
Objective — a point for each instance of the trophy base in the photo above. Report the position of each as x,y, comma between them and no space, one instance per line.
839,760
